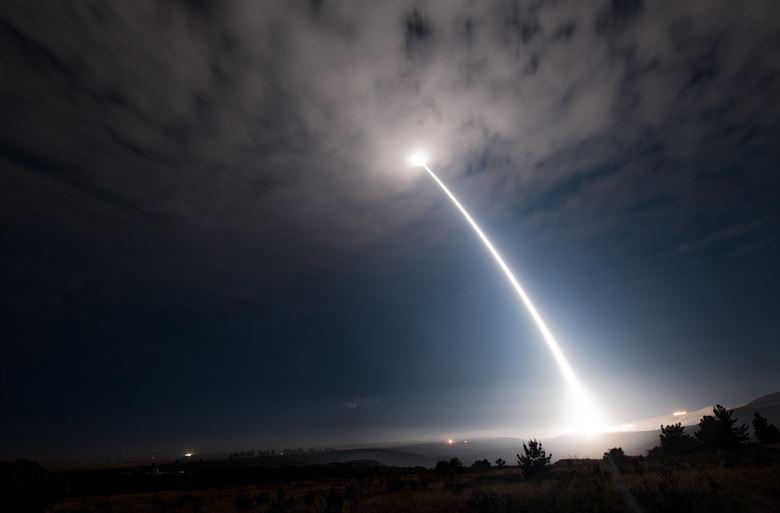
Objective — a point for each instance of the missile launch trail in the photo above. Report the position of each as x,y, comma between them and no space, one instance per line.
560,358
585,411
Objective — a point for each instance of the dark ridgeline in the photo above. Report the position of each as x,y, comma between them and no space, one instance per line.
684,473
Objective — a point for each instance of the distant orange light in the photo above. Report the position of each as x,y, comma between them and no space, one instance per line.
465,441
188,455
450,441
679,413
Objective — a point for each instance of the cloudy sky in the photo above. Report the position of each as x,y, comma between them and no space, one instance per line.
209,237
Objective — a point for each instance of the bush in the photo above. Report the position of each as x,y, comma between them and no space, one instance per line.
453,466
481,465
615,454
535,460
765,432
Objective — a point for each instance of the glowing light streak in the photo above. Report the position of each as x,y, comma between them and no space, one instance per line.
583,410
560,358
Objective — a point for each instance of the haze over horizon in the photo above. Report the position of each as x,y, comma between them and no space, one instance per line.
209,236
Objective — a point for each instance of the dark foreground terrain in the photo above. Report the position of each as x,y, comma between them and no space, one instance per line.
743,480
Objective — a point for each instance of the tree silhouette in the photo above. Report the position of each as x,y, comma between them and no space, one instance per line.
481,465
500,462
615,453
718,431
453,466
765,432
674,439
535,459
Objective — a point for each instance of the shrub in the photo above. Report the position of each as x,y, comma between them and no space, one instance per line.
765,432
481,465
616,454
535,460
453,466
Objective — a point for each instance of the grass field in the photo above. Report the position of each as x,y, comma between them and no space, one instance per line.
739,481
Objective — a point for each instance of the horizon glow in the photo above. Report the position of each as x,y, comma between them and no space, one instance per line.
585,416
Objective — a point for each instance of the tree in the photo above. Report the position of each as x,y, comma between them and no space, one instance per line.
718,431
765,432
535,459
615,453
675,440
500,462
481,465
453,466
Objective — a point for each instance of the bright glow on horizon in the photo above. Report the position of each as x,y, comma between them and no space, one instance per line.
585,416
188,454
679,413
450,441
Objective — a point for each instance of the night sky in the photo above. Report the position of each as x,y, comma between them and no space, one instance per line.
210,239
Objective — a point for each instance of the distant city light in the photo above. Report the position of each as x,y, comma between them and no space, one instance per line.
450,441
679,413
465,441
188,454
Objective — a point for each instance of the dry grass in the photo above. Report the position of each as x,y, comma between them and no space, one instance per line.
744,482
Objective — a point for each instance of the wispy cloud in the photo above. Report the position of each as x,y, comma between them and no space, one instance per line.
230,114
360,403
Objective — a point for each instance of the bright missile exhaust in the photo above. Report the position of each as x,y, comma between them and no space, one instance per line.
586,417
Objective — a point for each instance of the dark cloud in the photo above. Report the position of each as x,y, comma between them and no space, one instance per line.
417,29
233,95
619,13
